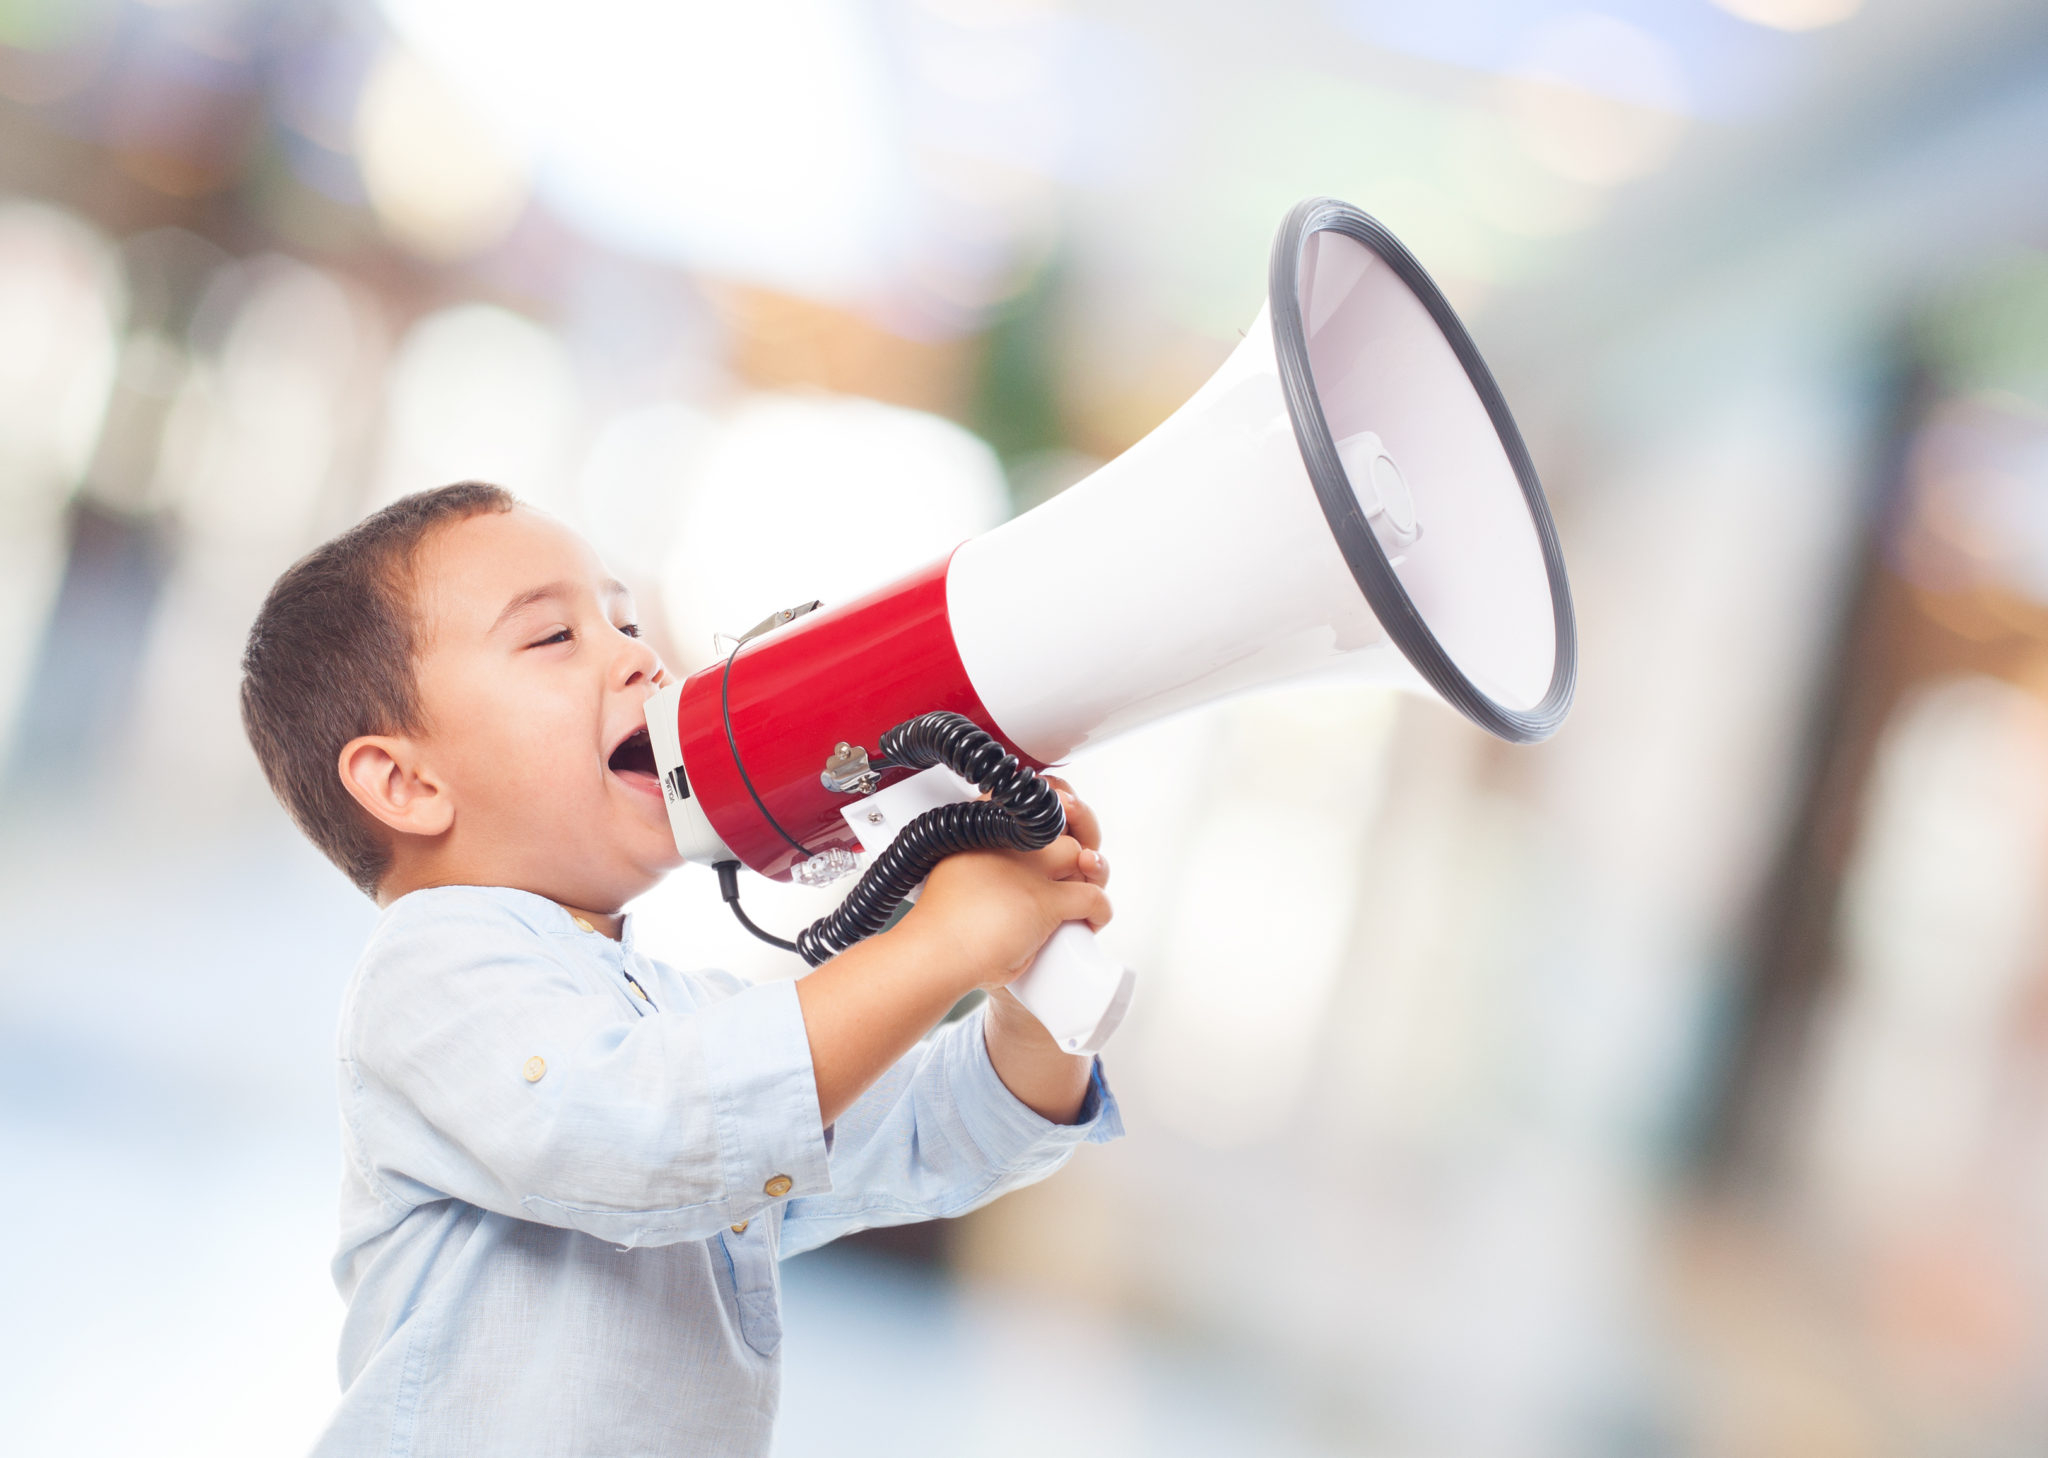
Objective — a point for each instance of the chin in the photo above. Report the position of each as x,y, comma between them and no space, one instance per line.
652,864
656,853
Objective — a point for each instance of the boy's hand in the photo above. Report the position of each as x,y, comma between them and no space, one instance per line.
1081,821
981,920
987,913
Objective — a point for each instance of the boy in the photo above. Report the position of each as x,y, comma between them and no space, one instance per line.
570,1170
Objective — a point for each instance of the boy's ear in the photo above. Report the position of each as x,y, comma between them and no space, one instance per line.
390,779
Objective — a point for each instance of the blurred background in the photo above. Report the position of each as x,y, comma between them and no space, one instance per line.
1679,1087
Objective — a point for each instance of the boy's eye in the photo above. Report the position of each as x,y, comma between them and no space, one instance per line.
560,635
631,630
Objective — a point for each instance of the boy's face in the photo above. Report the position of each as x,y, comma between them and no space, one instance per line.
533,679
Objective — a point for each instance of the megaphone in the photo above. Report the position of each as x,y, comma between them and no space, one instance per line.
1347,495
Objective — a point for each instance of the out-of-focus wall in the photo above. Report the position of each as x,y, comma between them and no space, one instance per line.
1658,1089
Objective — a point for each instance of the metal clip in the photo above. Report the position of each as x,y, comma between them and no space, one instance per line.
848,772
825,867
776,620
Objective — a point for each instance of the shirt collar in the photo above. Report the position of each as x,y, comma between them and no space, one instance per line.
552,916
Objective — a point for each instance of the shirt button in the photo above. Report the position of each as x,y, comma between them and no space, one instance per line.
741,1228
776,1188
535,1067
582,924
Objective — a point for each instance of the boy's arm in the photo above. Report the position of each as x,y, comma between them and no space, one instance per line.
486,1058
988,1103
478,1064
1046,1079
981,920
939,1135
1050,1082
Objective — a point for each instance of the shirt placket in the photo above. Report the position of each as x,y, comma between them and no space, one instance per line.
614,956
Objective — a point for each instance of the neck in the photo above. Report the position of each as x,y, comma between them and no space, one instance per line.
403,880
609,924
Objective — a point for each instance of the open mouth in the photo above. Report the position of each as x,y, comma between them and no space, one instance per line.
634,760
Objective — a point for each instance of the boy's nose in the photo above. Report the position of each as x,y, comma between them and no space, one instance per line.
640,666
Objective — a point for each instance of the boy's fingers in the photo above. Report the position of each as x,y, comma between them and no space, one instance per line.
1081,901
1068,859
1060,861
1074,861
1081,821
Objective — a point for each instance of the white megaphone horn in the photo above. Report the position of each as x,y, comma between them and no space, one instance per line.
1348,493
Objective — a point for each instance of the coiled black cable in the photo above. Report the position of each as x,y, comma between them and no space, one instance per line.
1022,812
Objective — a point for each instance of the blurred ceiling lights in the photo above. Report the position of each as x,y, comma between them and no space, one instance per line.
629,492
267,421
478,393
61,300
896,158
442,181
1792,14
747,140
804,496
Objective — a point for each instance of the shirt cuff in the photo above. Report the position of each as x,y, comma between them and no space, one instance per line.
1006,1129
772,1143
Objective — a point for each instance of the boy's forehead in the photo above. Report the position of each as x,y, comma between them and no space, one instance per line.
468,572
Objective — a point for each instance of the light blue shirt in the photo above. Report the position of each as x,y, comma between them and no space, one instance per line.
570,1172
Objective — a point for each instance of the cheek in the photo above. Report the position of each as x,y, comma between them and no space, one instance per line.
518,748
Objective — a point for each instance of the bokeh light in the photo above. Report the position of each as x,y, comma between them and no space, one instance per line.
478,393
1674,1087
806,497
800,191
443,182
1792,14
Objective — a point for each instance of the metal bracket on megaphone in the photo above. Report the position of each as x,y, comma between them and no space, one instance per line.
1074,986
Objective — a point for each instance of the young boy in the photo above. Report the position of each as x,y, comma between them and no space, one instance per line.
570,1170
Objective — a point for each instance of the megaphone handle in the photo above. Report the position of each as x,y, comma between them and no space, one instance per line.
1073,985
1076,989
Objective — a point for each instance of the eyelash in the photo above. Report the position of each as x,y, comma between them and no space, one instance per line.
564,635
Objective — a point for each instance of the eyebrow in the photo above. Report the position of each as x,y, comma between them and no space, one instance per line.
610,588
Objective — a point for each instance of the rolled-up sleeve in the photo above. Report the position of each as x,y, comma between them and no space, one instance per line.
937,1136
482,1066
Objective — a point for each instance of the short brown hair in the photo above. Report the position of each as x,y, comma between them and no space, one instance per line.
331,657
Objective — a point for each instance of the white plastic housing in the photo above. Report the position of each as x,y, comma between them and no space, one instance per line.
686,819
1195,565
1365,461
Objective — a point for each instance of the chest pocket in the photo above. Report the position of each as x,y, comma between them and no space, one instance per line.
756,1283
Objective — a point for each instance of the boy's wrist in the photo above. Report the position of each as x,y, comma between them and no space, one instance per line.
931,956
1043,1076
1013,1023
